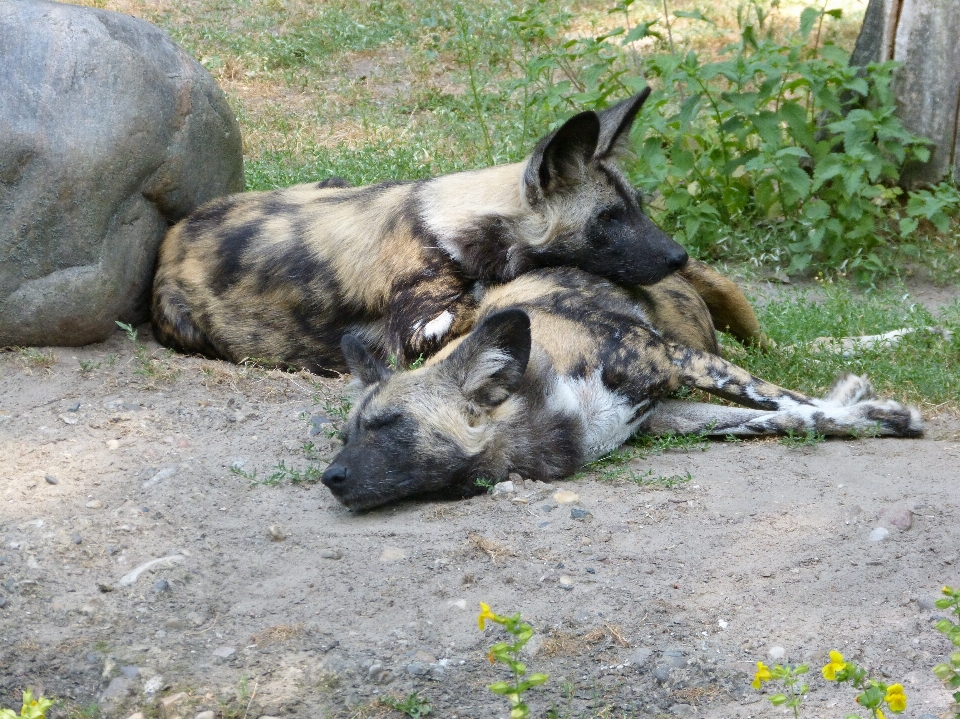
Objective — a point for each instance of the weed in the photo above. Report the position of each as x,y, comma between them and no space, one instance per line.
88,365
414,705
949,672
241,472
647,444
484,483
802,439
31,709
509,654
35,358
147,364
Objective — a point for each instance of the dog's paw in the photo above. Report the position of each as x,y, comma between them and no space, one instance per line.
849,389
892,419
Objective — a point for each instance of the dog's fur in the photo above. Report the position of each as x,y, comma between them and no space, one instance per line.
281,276
561,368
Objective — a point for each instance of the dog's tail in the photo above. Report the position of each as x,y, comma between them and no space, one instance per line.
729,308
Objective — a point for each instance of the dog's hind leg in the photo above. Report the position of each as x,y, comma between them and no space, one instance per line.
849,407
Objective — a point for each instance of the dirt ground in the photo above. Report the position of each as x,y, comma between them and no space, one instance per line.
272,600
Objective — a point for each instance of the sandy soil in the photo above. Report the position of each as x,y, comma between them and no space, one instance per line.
273,600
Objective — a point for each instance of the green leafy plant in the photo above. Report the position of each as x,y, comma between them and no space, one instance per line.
147,364
874,694
794,688
509,653
31,709
413,705
949,672
802,439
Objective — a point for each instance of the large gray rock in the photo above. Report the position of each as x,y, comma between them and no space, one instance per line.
109,133
923,35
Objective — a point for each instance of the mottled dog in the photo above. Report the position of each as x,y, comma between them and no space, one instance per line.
281,276
561,368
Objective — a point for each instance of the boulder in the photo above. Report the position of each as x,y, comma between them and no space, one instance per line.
109,133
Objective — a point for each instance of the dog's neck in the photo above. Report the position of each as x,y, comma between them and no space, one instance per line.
482,219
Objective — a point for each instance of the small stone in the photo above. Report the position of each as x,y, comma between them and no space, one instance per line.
3,602
276,533
330,553
112,444
899,517
94,504
130,672
153,685
565,496
206,715
579,513
118,688
169,704
417,669
75,538
566,582
104,587
224,652
138,715
68,418
175,623
51,479
777,653
515,478
879,534
683,710
640,657
317,423
926,604
161,585
502,488
392,554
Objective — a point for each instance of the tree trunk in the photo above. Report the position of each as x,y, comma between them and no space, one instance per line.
923,35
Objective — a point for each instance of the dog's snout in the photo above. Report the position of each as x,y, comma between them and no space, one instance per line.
334,476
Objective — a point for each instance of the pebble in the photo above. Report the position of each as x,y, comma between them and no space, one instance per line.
640,657
74,407
224,652
276,533
117,689
566,582
331,553
926,604
51,479
169,703
175,623
104,587
683,710
879,534
161,585
3,602
206,715
75,538
502,488
515,478
317,422
94,504
68,419
899,517
392,554
579,513
565,496
417,669
112,444
777,653
130,672
138,715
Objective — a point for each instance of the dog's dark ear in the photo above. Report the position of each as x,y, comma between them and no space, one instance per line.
489,364
558,159
362,365
615,124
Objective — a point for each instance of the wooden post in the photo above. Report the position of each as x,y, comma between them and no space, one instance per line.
923,35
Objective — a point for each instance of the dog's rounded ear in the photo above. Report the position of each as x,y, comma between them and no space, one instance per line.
362,365
489,364
615,124
558,159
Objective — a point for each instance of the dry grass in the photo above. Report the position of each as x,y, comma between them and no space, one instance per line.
277,634
492,548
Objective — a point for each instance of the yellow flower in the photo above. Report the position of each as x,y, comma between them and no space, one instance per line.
880,714
895,698
836,665
485,614
763,675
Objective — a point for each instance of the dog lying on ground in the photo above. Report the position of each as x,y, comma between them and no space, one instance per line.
281,276
561,368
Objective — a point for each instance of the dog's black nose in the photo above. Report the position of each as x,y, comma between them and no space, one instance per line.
335,475
677,259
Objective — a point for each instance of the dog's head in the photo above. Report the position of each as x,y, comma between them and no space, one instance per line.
428,431
594,215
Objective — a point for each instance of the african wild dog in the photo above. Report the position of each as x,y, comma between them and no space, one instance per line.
281,276
561,368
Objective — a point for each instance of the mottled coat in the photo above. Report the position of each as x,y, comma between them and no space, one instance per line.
561,369
281,276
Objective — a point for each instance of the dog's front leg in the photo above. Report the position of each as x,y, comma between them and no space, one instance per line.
849,407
